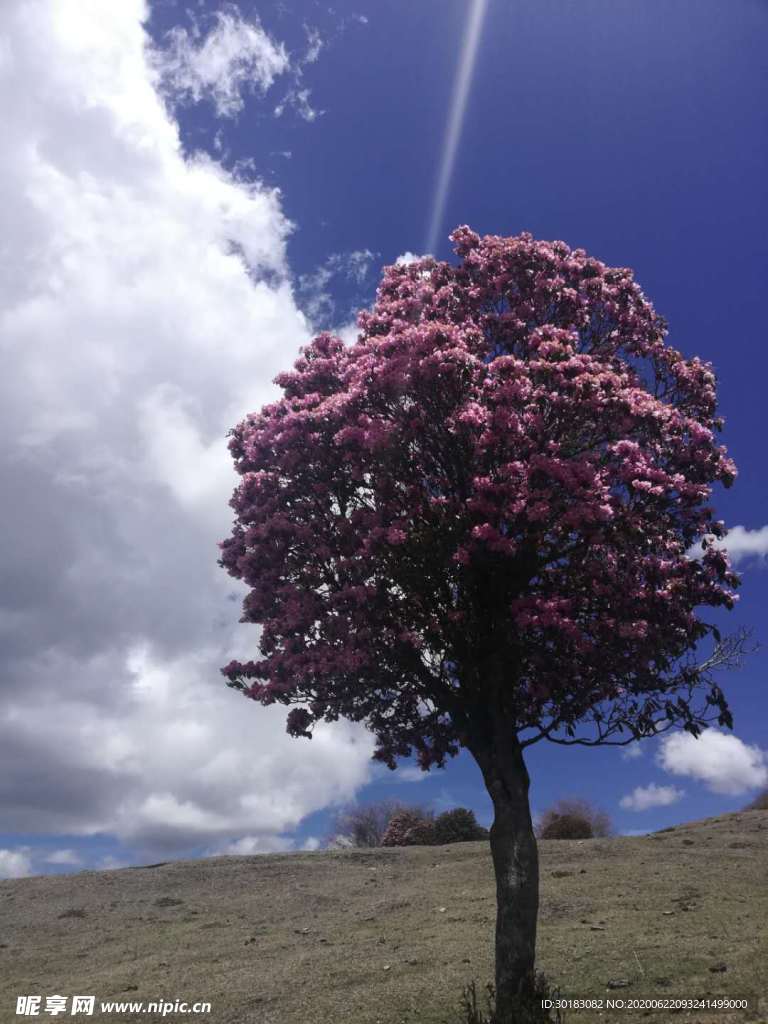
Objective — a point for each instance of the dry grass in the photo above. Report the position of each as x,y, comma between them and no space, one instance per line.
392,935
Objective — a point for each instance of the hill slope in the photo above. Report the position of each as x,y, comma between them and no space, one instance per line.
392,935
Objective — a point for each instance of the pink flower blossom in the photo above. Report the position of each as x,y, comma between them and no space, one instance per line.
396,536
482,477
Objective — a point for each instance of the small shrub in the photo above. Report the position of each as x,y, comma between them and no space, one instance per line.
574,819
529,1009
458,826
420,834
566,826
760,803
408,827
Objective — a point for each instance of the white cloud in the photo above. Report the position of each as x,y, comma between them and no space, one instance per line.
298,99
15,863
643,797
110,863
355,265
724,763
248,845
740,542
410,774
235,56
408,257
63,857
314,290
145,306
315,44
348,333
632,752
444,801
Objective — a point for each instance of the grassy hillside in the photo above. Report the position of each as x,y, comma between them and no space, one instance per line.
392,935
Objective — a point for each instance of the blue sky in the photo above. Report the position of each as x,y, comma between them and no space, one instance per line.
153,287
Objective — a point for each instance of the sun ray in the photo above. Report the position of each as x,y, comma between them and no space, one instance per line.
461,90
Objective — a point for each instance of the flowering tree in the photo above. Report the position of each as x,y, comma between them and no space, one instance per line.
469,529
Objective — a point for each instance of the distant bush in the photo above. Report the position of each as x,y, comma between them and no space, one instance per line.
363,825
760,803
574,819
566,826
411,826
458,826
420,834
391,823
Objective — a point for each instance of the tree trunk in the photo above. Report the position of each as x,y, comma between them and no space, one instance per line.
516,865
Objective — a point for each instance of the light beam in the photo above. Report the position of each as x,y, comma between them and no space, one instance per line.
461,90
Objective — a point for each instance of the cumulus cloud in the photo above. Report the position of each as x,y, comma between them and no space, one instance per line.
234,57
407,258
741,543
643,797
632,752
348,332
15,863
63,857
110,863
410,774
145,306
724,763
248,845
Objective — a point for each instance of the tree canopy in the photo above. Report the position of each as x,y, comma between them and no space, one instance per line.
484,506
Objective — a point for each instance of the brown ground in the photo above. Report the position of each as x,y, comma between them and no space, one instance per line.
392,935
